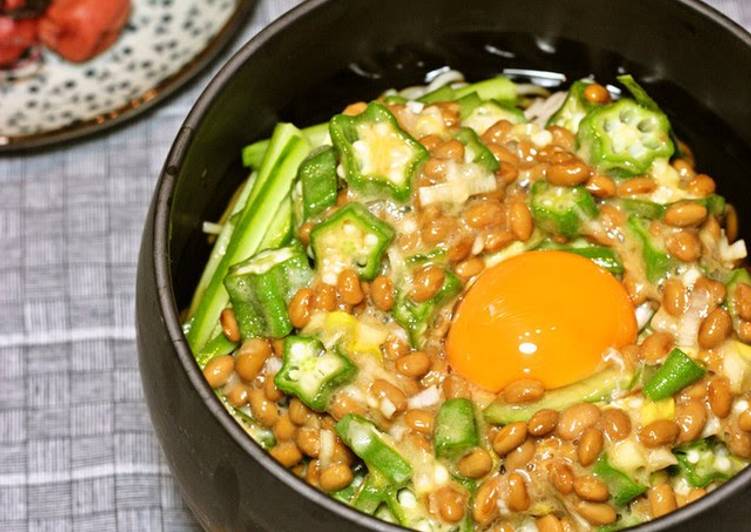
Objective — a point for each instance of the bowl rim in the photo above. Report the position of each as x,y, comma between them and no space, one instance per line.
167,303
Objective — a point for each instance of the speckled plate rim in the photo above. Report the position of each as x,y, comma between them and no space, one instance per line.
141,104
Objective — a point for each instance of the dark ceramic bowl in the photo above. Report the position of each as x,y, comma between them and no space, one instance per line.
307,66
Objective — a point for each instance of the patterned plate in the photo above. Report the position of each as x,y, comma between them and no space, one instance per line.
164,44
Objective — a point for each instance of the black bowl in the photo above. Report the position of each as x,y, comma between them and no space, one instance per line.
307,66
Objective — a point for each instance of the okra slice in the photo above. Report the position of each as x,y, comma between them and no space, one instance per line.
574,108
415,317
677,372
487,113
641,208
475,150
374,448
378,157
351,238
561,210
657,262
317,176
622,488
311,373
261,288
698,461
455,429
624,138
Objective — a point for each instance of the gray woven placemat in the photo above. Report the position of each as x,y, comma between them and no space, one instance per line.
77,450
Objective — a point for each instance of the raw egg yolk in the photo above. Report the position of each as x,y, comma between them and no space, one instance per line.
546,315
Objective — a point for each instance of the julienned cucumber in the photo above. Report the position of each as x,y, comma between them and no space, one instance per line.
220,246
599,387
253,155
287,149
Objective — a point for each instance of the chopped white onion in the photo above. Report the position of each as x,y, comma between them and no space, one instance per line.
527,89
428,397
326,452
542,109
688,328
462,181
211,228
273,365
731,252
444,78
644,313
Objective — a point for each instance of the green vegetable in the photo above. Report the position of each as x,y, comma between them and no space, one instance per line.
253,154
286,151
311,373
714,203
415,317
317,175
574,108
654,211
561,210
348,493
479,116
677,372
479,153
444,93
498,88
604,257
368,443
638,92
217,346
379,158
624,138
262,435
261,288
643,209
599,387
351,238
625,520
455,429
657,262
621,487
222,240
280,230
697,461
435,256
467,104
737,277
378,497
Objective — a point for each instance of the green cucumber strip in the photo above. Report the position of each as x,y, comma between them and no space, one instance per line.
220,245
280,231
286,151
598,387
498,88
217,346
254,154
